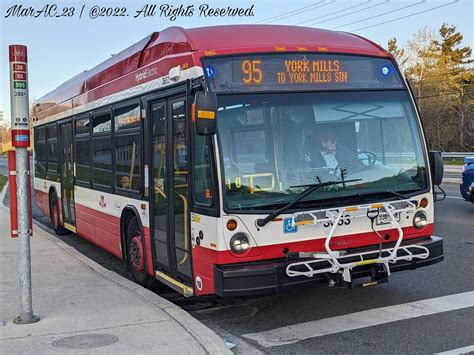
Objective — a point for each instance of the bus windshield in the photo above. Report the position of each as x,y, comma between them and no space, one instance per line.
270,143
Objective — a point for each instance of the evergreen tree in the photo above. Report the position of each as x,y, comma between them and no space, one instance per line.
440,72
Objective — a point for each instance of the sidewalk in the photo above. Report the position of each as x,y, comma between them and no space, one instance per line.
103,312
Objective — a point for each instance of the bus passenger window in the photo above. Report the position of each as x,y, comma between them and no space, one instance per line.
128,162
102,161
82,125
52,148
83,164
40,150
102,123
127,117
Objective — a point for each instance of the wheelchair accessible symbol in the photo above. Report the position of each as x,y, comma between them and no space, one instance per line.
287,226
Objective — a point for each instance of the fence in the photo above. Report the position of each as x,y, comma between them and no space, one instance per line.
456,154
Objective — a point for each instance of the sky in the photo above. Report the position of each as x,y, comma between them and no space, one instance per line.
60,48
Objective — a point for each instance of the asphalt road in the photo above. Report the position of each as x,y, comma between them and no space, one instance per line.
428,334
320,310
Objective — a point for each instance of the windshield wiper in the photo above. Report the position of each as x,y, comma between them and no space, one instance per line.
310,189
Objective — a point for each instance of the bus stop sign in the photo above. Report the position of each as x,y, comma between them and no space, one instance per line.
20,124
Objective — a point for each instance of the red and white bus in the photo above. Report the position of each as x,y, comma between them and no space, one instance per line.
242,160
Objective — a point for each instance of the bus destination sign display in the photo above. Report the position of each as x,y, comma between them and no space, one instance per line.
284,72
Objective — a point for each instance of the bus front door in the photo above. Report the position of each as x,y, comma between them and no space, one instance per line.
169,190
67,176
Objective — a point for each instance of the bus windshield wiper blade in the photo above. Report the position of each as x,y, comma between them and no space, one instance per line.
310,189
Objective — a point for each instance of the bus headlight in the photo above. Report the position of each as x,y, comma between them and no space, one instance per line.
239,243
420,220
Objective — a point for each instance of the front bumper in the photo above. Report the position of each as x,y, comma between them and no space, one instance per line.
269,277
467,191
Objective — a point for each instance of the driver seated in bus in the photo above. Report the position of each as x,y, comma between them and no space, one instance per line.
328,152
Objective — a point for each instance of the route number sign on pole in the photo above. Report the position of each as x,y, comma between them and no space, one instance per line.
20,126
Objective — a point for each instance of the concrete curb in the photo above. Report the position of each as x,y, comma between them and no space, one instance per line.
208,339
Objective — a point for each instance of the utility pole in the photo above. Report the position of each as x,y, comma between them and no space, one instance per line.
20,127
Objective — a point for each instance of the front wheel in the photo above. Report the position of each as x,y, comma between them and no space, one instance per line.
136,254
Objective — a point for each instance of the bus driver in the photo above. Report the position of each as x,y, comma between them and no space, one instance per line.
326,151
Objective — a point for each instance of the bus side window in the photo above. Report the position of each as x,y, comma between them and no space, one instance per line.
83,164
128,147
40,151
203,182
52,148
102,161
83,150
102,150
128,162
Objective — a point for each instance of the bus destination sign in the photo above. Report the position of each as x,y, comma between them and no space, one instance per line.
316,71
284,72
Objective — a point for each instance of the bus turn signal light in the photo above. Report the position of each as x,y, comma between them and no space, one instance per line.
209,115
423,202
232,225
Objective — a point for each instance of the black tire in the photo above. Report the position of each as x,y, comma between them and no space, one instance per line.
54,215
136,254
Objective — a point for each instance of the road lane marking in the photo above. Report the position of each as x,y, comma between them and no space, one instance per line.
465,350
312,329
455,197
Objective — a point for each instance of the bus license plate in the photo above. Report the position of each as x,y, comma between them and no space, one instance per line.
384,218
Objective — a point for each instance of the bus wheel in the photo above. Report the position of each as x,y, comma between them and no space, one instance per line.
136,253
54,215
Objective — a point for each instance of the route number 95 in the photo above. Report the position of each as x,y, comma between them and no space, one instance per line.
252,74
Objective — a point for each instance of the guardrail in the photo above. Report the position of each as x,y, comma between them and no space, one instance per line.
456,154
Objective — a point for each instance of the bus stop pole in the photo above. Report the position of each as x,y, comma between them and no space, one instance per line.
20,128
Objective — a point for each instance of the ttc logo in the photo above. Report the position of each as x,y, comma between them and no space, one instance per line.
287,226
102,202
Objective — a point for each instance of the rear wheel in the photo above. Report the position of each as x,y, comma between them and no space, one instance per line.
54,215
136,254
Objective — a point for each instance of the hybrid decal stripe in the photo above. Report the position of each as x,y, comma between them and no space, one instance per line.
107,96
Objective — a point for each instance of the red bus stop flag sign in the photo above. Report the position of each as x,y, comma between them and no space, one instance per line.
19,96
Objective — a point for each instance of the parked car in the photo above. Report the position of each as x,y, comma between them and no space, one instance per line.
467,185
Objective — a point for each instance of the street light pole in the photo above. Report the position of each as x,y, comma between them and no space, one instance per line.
21,140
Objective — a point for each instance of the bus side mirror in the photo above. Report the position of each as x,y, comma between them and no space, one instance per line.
204,113
436,166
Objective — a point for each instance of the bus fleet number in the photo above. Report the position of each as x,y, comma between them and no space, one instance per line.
344,220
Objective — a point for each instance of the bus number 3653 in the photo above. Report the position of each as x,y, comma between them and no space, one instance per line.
344,220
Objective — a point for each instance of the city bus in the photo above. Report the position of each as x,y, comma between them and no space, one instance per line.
242,160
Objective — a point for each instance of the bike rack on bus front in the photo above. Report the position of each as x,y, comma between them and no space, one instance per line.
336,258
